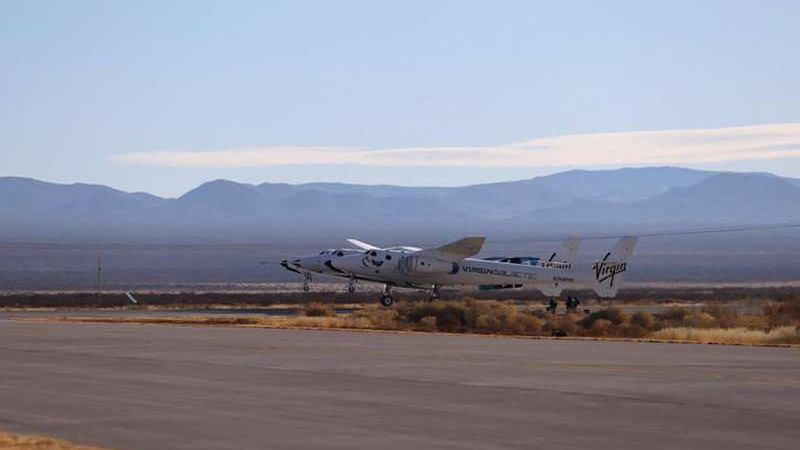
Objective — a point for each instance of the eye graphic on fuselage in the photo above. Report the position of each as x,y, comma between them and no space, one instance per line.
368,261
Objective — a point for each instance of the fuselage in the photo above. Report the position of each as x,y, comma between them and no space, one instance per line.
415,269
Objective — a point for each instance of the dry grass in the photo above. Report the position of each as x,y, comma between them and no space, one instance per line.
714,324
782,335
319,309
10,441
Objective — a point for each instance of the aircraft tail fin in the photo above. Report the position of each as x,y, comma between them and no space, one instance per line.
608,273
567,252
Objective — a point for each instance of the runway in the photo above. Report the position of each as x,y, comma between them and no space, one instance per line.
132,386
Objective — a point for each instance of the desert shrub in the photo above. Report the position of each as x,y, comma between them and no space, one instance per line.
540,314
527,324
474,310
486,323
360,322
450,316
644,320
675,314
700,320
600,327
633,330
613,315
752,321
566,325
783,313
384,319
427,323
726,316
319,309
495,317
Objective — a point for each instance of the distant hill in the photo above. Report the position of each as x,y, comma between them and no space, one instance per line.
723,198
623,185
624,196
28,198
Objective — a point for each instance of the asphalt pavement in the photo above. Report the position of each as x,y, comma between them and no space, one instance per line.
132,386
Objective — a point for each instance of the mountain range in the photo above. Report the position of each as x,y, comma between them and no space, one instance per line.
653,195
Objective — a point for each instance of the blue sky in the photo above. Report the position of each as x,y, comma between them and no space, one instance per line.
102,91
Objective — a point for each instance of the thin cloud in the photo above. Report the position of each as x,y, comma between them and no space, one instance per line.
759,142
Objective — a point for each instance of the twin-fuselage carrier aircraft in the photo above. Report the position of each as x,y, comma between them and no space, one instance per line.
452,265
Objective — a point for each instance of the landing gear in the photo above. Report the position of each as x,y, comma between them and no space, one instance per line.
351,285
552,305
435,295
306,281
387,300
572,303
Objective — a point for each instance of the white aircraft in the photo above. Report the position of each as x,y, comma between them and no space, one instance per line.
322,263
451,265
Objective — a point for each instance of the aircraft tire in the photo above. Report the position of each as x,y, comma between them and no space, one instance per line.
387,301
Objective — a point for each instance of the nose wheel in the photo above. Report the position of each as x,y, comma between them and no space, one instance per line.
306,281
386,299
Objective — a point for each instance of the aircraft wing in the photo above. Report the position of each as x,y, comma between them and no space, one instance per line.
362,245
458,250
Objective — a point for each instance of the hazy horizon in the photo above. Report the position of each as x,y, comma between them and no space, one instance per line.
511,180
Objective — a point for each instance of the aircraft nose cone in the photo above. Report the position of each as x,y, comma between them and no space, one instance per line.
290,266
311,263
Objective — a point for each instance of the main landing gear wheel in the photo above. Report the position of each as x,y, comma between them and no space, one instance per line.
573,302
351,285
435,294
306,281
387,300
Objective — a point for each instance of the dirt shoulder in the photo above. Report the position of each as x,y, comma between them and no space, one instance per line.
12,441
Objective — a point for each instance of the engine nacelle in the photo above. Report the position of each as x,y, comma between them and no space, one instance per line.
421,265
